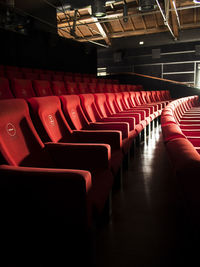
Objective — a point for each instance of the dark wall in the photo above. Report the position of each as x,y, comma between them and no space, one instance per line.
173,61
46,50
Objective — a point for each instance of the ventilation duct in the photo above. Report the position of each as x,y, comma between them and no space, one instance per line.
146,5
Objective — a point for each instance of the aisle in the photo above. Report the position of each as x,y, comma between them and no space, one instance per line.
143,227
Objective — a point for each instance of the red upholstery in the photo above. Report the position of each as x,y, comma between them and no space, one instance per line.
82,87
14,74
53,127
21,146
5,92
31,76
93,115
71,88
57,77
42,88
45,76
77,119
58,88
22,88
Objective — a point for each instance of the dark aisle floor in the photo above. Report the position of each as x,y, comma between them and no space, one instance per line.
143,228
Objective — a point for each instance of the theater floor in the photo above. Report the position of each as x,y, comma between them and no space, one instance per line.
147,224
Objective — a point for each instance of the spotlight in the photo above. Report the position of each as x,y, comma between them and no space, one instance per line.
98,8
125,13
146,5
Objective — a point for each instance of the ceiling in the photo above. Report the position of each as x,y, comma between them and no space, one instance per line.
171,16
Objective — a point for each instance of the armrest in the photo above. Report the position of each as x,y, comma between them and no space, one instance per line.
113,138
121,118
132,115
55,192
80,156
136,111
119,126
145,110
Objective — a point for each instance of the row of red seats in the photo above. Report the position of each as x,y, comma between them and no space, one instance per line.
180,122
58,165
21,88
12,72
21,145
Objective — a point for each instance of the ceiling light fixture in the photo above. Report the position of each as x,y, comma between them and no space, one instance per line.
98,8
125,13
146,5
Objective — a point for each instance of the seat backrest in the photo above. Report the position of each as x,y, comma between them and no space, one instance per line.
119,101
89,107
2,73
82,87
49,119
14,74
108,88
110,98
20,144
22,88
5,92
58,88
57,77
143,97
68,78
127,99
31,76
78,79
116,88
100,88
71,88
92,87
123,87
45,76
73,112
100,100
42,88
26,70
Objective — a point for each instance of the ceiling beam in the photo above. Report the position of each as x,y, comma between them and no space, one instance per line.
174,20
100,27
125,34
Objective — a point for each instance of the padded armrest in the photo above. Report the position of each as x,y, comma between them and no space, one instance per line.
134,116
119,126
144,110
140,112
113,138
80,156
58,192
116,118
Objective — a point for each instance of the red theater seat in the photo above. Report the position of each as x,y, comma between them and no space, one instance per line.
57,77
31,76
14,74
58,88
21,146
71,88
5,91
45,76
22,88
77,119
42,88
113,102
58,129
91,111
